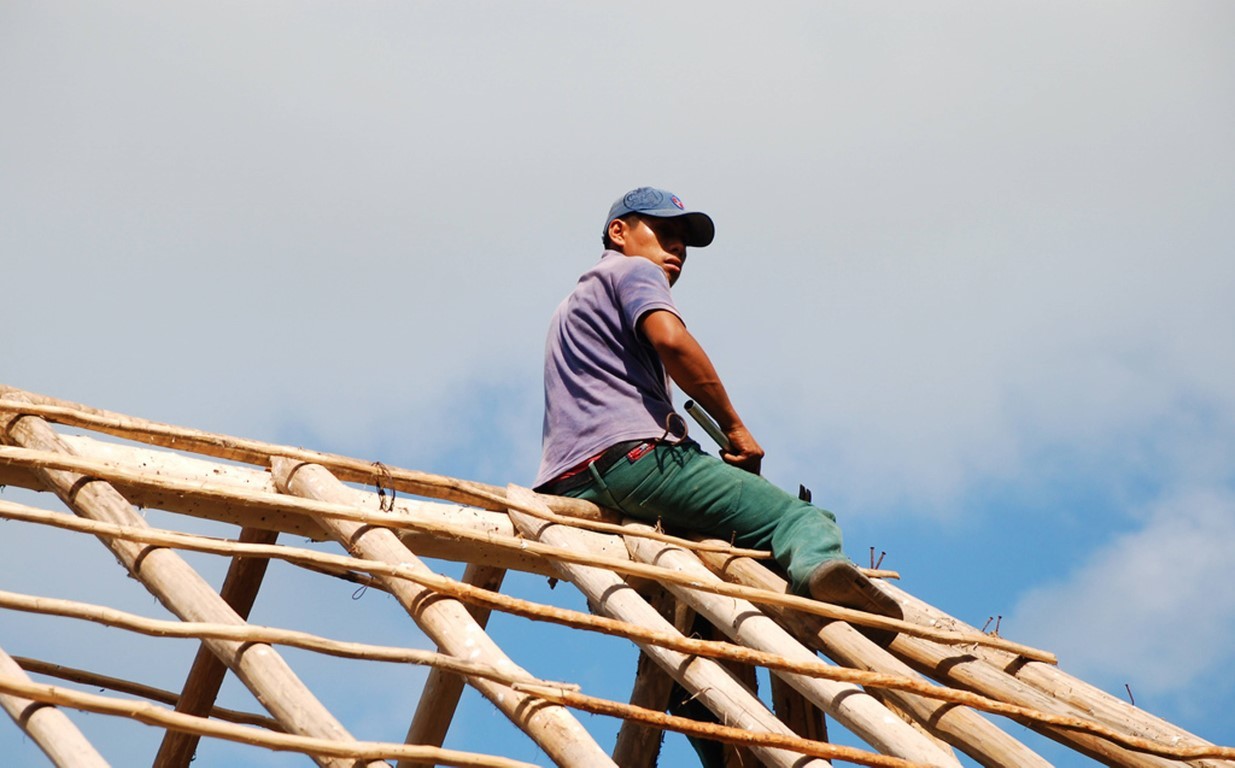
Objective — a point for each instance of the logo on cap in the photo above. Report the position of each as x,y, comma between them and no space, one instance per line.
677,202
643,199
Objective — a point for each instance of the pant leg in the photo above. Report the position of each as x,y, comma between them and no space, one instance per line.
684,487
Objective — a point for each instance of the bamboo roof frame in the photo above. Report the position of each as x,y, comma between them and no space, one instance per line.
941,687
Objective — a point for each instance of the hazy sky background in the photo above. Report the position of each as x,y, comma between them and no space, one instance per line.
972,283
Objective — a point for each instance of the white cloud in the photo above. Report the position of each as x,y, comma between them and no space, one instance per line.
1150,608
949,242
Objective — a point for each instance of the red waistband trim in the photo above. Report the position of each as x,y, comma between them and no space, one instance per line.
576,469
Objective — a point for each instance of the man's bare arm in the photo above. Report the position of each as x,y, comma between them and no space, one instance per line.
689,366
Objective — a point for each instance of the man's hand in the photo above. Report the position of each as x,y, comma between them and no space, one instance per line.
743,451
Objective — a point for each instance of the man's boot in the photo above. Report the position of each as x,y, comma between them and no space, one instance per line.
841,583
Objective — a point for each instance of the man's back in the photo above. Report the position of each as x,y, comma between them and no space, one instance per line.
604,384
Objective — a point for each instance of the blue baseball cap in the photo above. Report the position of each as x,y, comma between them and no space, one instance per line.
658,203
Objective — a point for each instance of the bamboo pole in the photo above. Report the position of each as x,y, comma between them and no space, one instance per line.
959,726
445,621
342,574
119,685
540,612
183,592
1099,705
899,711
638,745
442,690
340,752
746,625
255,452
259,634
796,711
158,462
464,536
47,726
254,633
441,584
187,473
234,494
1025,667
201,688
256,498
963,670
1124,727
711,684
617,564
756,741
1117,713
438,530
735,755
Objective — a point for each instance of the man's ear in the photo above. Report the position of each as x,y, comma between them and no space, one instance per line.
617,234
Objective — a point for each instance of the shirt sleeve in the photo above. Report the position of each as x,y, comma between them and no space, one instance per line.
641,288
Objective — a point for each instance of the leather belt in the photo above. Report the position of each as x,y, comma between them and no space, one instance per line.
579,475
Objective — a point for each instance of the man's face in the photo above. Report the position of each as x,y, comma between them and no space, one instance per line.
660,241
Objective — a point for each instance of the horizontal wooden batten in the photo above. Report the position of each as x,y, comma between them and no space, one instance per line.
880,694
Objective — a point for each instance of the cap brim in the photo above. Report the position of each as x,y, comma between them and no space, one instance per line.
700,230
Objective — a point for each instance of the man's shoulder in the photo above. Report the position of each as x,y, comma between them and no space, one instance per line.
617,263
621,275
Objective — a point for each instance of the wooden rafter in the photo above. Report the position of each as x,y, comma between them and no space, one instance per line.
705,679
183,592
446,621
745,624
47,725
442,689
960,726
239,590
881,694
638,745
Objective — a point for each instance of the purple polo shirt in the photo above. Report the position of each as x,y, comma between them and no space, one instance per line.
604,383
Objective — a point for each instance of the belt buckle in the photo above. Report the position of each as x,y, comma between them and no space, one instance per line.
639,451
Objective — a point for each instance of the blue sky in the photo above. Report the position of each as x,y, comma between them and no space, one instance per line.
971,284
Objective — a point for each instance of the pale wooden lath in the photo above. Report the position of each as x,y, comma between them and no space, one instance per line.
940,688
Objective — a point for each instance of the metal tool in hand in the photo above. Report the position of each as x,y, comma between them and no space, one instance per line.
714,431
708,423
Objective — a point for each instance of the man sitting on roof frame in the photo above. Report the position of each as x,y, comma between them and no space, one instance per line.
611,434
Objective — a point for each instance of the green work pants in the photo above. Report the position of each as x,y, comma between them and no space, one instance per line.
683,487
